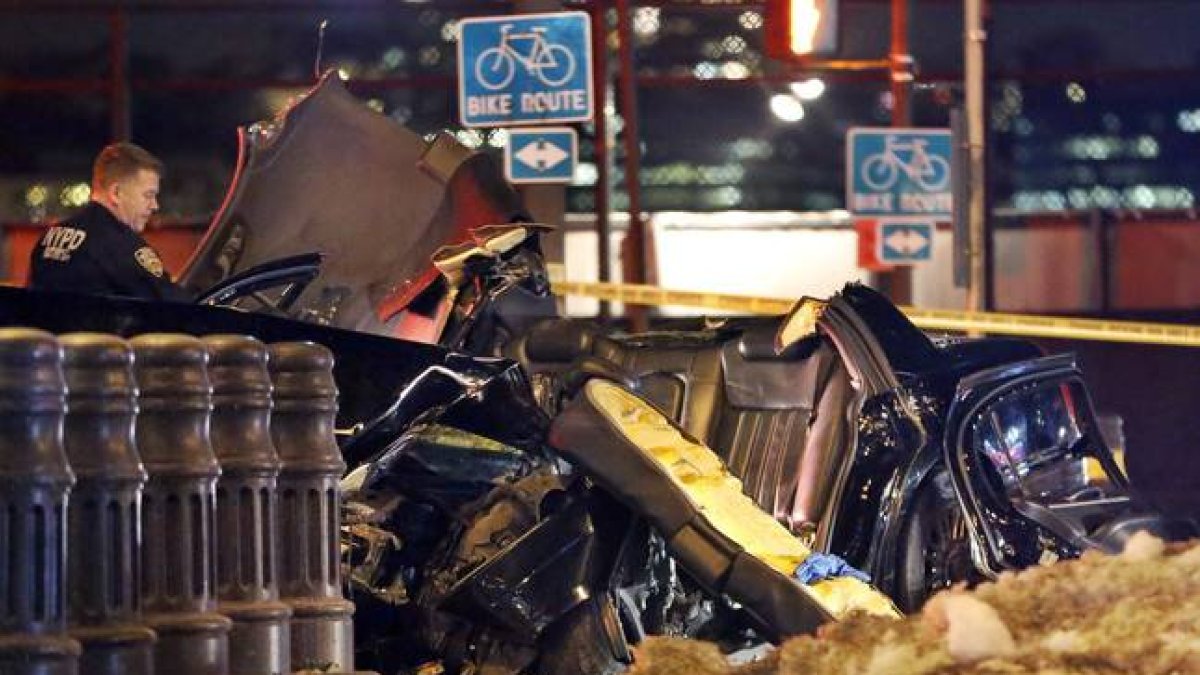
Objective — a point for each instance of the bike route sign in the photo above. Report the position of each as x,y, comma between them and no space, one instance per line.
525,69
898,172
540,155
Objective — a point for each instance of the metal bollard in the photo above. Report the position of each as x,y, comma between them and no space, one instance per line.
302,426
103,598
247,507
34,482
178,559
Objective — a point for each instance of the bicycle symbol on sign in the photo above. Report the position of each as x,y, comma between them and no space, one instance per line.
550,63
881,170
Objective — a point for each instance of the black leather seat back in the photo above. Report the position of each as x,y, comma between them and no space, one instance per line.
779,421
782,421
679,373
549,350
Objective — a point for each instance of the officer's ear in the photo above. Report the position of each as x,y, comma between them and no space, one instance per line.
112,191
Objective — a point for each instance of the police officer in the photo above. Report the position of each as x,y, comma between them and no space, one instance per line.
100,249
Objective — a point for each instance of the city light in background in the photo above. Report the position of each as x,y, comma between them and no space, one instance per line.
711,97
808,90
787,107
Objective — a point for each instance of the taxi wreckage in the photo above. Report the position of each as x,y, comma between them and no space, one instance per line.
535,494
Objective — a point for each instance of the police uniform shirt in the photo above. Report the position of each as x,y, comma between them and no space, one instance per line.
93,252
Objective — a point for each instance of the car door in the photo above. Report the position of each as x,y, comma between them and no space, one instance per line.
1029,465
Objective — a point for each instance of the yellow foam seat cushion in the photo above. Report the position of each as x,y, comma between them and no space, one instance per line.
718,495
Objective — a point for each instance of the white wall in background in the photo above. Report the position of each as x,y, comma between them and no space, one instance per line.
1039,269
781,255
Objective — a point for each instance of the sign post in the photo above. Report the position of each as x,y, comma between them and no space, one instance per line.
525,69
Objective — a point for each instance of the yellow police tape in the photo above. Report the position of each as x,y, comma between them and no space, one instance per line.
992,323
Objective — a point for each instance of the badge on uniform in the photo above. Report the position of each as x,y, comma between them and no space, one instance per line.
149,260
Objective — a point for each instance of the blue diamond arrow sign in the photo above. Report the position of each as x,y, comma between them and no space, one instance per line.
541,155
905,242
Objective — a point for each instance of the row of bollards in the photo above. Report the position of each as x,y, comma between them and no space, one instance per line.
201,535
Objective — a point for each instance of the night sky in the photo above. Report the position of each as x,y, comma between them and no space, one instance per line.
198,74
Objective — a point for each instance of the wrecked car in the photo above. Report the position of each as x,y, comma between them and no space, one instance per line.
543,509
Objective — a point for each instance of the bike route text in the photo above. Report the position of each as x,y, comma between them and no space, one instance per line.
909,203
565,101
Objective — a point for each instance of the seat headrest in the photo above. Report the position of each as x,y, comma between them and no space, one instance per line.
757,343
559,340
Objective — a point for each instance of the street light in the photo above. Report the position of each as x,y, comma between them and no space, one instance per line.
798,29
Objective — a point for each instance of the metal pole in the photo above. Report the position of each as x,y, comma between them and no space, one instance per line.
635,257
35,480
247,515
1105,233
989,177
104,539
310,576
178,534
897,283
901,65
600,121
974,41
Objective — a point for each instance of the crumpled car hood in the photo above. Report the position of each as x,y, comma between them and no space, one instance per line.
331,175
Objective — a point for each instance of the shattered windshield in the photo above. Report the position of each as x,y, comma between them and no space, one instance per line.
1042,441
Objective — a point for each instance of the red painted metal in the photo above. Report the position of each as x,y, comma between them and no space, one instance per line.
598,11
896,283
